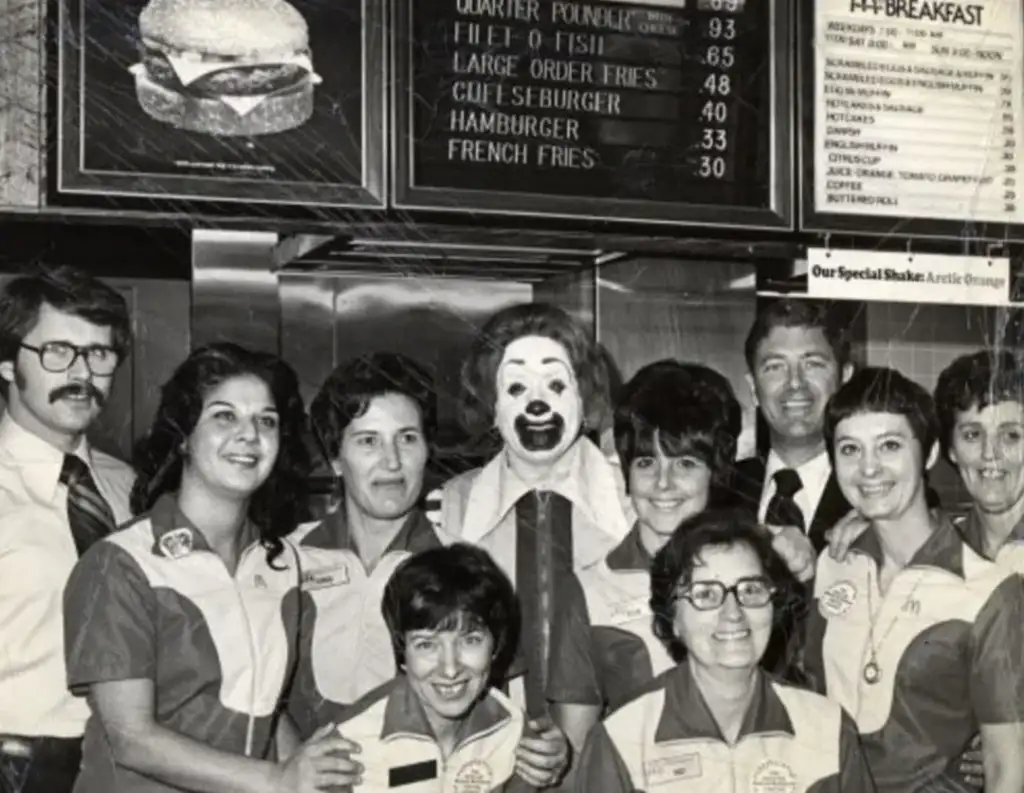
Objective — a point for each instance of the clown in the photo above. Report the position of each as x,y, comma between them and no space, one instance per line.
549,503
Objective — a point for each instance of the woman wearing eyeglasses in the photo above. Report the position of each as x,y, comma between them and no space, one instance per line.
716,722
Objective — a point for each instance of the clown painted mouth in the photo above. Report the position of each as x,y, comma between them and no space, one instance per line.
540,436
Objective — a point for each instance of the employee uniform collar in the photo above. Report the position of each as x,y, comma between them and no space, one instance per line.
334,532
973,530
404,714
686,714
943,550
175,536
630,554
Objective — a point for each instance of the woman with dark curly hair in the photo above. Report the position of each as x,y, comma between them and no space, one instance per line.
180,628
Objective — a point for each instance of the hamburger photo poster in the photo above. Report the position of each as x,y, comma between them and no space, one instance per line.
256,101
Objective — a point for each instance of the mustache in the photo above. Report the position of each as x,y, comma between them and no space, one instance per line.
82,388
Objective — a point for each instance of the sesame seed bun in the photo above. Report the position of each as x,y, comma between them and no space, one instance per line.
226,28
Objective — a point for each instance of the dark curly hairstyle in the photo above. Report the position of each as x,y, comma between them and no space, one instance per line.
796,313
480,371
674,564
693,410
277,506
347,393
69,290
976,381
878,389
434,589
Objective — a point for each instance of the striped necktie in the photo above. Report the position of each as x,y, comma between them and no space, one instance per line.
88,512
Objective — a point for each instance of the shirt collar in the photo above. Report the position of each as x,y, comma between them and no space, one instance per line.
46,460
973,531
686,714
404,714
583,476
333,532
944,549
814,473
630,554
175,536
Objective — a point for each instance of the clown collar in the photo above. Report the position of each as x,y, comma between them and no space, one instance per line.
583,475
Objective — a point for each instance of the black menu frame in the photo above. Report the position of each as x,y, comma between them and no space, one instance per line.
780,215
353,155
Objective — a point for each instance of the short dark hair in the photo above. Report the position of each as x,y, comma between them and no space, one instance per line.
480,371
674,564
795,313
976,381
280,502
879,389
433,589
69,290
691,407
348,391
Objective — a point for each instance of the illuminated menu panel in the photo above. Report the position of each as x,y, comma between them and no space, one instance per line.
565,107
918,109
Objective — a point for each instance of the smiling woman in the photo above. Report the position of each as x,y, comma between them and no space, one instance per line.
180,627
912,603
453,619
713,586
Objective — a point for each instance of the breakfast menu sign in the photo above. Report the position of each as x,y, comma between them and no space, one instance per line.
917,110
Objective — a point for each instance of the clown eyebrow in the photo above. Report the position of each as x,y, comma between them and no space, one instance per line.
544,361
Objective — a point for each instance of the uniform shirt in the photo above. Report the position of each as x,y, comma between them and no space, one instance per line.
152,601
627,654
666,739
399,751
949,640
37,554
345,646
814,476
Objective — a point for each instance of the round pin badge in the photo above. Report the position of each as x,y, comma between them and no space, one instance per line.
837,599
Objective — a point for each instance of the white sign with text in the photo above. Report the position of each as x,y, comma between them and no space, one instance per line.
918,109
908,278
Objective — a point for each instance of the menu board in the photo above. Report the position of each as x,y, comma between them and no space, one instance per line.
917,109
666,110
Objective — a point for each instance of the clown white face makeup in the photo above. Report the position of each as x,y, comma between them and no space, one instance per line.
539,408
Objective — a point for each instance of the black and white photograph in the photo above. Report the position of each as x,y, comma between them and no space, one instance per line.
246,100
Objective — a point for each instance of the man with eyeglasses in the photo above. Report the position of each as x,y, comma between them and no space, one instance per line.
62,336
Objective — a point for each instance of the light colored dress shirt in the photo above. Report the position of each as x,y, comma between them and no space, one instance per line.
37,554
813,475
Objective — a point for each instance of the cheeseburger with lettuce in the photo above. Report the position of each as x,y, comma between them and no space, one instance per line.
225,67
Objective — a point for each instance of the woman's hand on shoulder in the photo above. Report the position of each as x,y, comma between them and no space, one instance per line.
322,762
542,756
841,536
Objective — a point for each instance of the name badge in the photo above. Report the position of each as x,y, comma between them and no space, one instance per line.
324,577
672,769
629,610
412,773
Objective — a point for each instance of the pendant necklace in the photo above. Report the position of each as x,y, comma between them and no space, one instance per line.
872,671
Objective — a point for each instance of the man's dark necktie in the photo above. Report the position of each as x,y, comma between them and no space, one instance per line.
543,552
89,514
782,509
782,655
